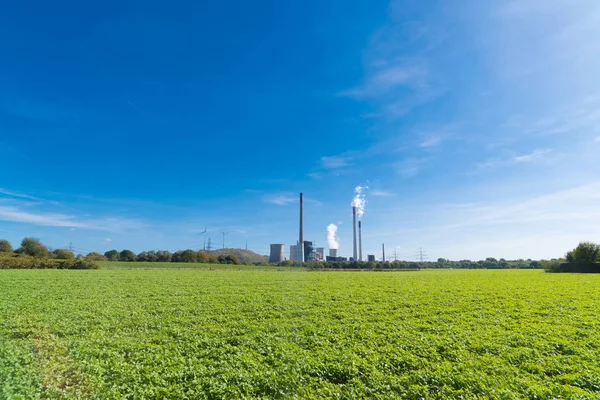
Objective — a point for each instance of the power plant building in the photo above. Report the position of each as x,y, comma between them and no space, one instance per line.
277,253
333,252
371,257
320,254
309,253
294,252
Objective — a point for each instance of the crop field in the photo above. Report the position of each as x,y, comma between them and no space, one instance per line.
176,334
181,265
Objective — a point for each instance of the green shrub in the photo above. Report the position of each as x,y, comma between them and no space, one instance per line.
63,254
23,261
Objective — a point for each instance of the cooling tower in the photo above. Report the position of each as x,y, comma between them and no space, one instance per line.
333,252
277,253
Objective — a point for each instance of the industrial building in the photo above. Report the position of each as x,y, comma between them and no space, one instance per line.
371,257
277,253
320,254
330,258
309,252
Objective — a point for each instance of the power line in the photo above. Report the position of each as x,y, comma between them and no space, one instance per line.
421,255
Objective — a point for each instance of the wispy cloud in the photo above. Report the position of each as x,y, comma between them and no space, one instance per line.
18,195
533,156
16,214
381,193
410,167
334,162
597,139
30,209
430,141
280,199
387,78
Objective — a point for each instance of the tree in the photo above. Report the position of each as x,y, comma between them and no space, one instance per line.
5,246
143,256
33,247
95,256
164,256
585,252
188,256
202,257
112,255
127,255
63,254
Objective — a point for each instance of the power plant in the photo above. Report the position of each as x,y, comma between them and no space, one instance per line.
304,251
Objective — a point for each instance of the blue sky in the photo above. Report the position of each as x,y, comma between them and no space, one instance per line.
476,125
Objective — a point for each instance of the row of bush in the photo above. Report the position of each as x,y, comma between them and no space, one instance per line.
23,261
585,258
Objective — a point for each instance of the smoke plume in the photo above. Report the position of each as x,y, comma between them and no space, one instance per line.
359,201
332,239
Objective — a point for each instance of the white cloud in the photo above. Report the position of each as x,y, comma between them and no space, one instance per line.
107,240
18,195
533,156
334,162
597,139
20,208
538,226
381,193
280,199
430,141
386,79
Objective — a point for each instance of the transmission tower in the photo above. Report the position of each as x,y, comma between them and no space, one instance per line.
422,255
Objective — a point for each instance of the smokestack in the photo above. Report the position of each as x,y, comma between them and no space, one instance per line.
301,238
354,232
359,241
383,250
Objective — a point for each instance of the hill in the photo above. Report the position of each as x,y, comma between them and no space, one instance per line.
245,256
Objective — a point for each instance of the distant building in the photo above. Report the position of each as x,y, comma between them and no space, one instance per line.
329,258
333,252
371,257
277,253
294,252
320,254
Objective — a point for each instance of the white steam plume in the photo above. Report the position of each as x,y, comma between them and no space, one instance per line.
359,201
332,239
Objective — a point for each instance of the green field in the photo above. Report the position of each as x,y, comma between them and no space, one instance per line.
154,334
180,265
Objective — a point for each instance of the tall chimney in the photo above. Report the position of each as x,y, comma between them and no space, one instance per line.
301,238
359,241
383,250
354,232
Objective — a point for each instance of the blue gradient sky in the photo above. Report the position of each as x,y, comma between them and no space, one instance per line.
476,125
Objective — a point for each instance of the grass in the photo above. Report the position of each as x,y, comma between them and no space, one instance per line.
157,334
115,265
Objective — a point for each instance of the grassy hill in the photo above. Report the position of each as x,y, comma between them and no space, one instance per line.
245,256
